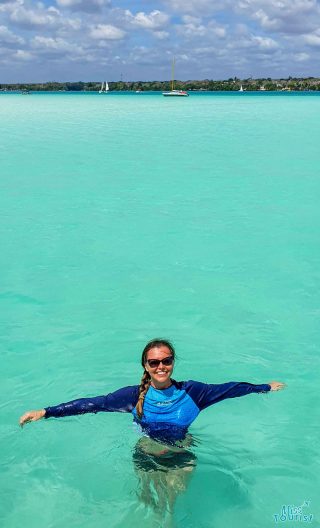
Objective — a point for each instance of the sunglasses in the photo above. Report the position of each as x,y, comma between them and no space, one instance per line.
153,363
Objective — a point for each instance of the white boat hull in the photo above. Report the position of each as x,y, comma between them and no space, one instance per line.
175,93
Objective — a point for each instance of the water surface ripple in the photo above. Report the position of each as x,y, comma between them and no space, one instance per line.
125,218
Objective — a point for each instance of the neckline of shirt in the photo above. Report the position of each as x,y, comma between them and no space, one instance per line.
162,390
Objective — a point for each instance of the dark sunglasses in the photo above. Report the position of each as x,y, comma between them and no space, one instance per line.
153,363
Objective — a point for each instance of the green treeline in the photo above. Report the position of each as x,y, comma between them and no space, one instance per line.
232,84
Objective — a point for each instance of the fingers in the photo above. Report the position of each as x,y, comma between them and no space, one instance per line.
25,418
277,385
31,416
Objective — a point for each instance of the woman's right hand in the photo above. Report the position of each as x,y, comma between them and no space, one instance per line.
31,416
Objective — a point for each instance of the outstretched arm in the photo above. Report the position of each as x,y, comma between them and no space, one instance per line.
123,400
205,394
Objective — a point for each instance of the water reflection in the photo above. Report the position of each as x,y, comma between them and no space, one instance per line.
163,471
172,494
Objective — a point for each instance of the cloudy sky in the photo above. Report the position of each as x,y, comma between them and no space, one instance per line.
70,40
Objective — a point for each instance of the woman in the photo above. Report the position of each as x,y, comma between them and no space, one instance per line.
164,408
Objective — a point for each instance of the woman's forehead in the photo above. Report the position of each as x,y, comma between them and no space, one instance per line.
158,352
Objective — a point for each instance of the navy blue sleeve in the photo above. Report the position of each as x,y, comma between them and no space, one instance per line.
204,394
123,400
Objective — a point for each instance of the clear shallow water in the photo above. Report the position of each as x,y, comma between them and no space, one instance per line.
129,217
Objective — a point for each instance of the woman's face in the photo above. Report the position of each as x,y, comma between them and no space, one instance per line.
160,375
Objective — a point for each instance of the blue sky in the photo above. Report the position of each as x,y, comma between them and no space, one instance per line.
70,40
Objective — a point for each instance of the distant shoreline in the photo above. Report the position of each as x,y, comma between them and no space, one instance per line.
230,85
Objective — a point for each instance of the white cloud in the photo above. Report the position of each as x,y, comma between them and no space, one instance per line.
9,6
241,29
23,55
265,43
8,37
34,17
312,40
71,23
106,32
38,16
301,57
57,48
195,28
284,16
161,35
220,32
189,19
192,29
83,5
205,7
73,3
49,43
154,20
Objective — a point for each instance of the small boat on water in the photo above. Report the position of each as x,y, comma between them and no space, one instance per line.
241,88
176,93
104,89
173,92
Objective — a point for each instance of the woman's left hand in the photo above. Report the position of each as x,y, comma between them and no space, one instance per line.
276,385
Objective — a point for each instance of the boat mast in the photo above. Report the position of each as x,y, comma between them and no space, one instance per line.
172,74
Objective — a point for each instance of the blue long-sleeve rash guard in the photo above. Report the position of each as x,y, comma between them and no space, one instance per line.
167,413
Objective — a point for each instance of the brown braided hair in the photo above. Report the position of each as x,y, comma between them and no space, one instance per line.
146,378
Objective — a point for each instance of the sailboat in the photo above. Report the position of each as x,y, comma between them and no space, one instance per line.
173,92
241,88
104,88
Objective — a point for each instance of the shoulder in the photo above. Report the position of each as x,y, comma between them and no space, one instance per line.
124,399
130,389
130,392
189,385
197,391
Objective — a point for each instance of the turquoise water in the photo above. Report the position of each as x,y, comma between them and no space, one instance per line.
128,217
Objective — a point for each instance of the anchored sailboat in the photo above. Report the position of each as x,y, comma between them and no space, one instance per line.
173,92
104,88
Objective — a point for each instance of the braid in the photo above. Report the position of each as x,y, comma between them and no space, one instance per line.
143,389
